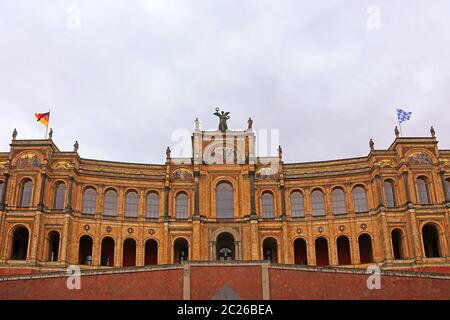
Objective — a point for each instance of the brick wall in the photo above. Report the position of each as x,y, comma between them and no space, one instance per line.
203,280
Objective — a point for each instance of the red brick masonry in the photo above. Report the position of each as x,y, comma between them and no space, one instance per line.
236,280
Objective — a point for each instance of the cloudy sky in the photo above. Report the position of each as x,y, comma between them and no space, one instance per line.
124,78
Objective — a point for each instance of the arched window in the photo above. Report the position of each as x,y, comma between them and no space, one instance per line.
338,200
25,197
365,248
129,253
268,209
110,203
297,204
318,203
85,250
151,252
152,207
270,251
182,206
422,190
53,246
343,250
300,252
107,255
89,201
397,244
389,194
321,246
225,247
224,200
60,194
430,237
20,239
180,250
131,204
360,199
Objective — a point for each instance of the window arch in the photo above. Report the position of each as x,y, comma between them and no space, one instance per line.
152,205
365,248
53,246
89,201
181,206
343,250
60,193
26,192
224,200
321,248
397,244
389,194
20,239
422,190
270,249
318,203
300,251
131,204
268,207
447,186
430,237
110,203
85,250
338,200
360,199
180,250
297,204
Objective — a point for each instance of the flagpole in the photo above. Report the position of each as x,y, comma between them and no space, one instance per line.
48,123
399,123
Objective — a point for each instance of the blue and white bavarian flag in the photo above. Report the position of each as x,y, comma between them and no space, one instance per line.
403,115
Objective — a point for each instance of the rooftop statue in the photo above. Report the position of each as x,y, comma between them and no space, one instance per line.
223,116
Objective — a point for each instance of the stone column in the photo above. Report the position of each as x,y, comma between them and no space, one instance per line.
40,205
166,203
69,195
379,193
65,240
444,185
254,238
407,191
386,238
252,195
196,240
196,195
283,201
35,237
5,190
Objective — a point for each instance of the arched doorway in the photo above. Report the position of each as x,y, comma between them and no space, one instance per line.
321,246
180,250
151,252
343,250
397,244
270,250
53,246
300,252
365,248
430,238
107,256
19,250
225,247
129,253
85,250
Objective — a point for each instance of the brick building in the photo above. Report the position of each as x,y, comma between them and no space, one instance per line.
390,207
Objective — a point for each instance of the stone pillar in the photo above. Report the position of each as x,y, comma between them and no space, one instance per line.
416,236
40,205
196,195
444,185
65,241
386,238
252,195
166,203
283,201
285,244
35,235
5,191
196,240
254,238
69,195
407,191
118,252
379,193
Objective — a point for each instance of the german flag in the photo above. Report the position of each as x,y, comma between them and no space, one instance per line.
43,117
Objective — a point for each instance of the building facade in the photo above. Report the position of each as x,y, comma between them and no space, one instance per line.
390,207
